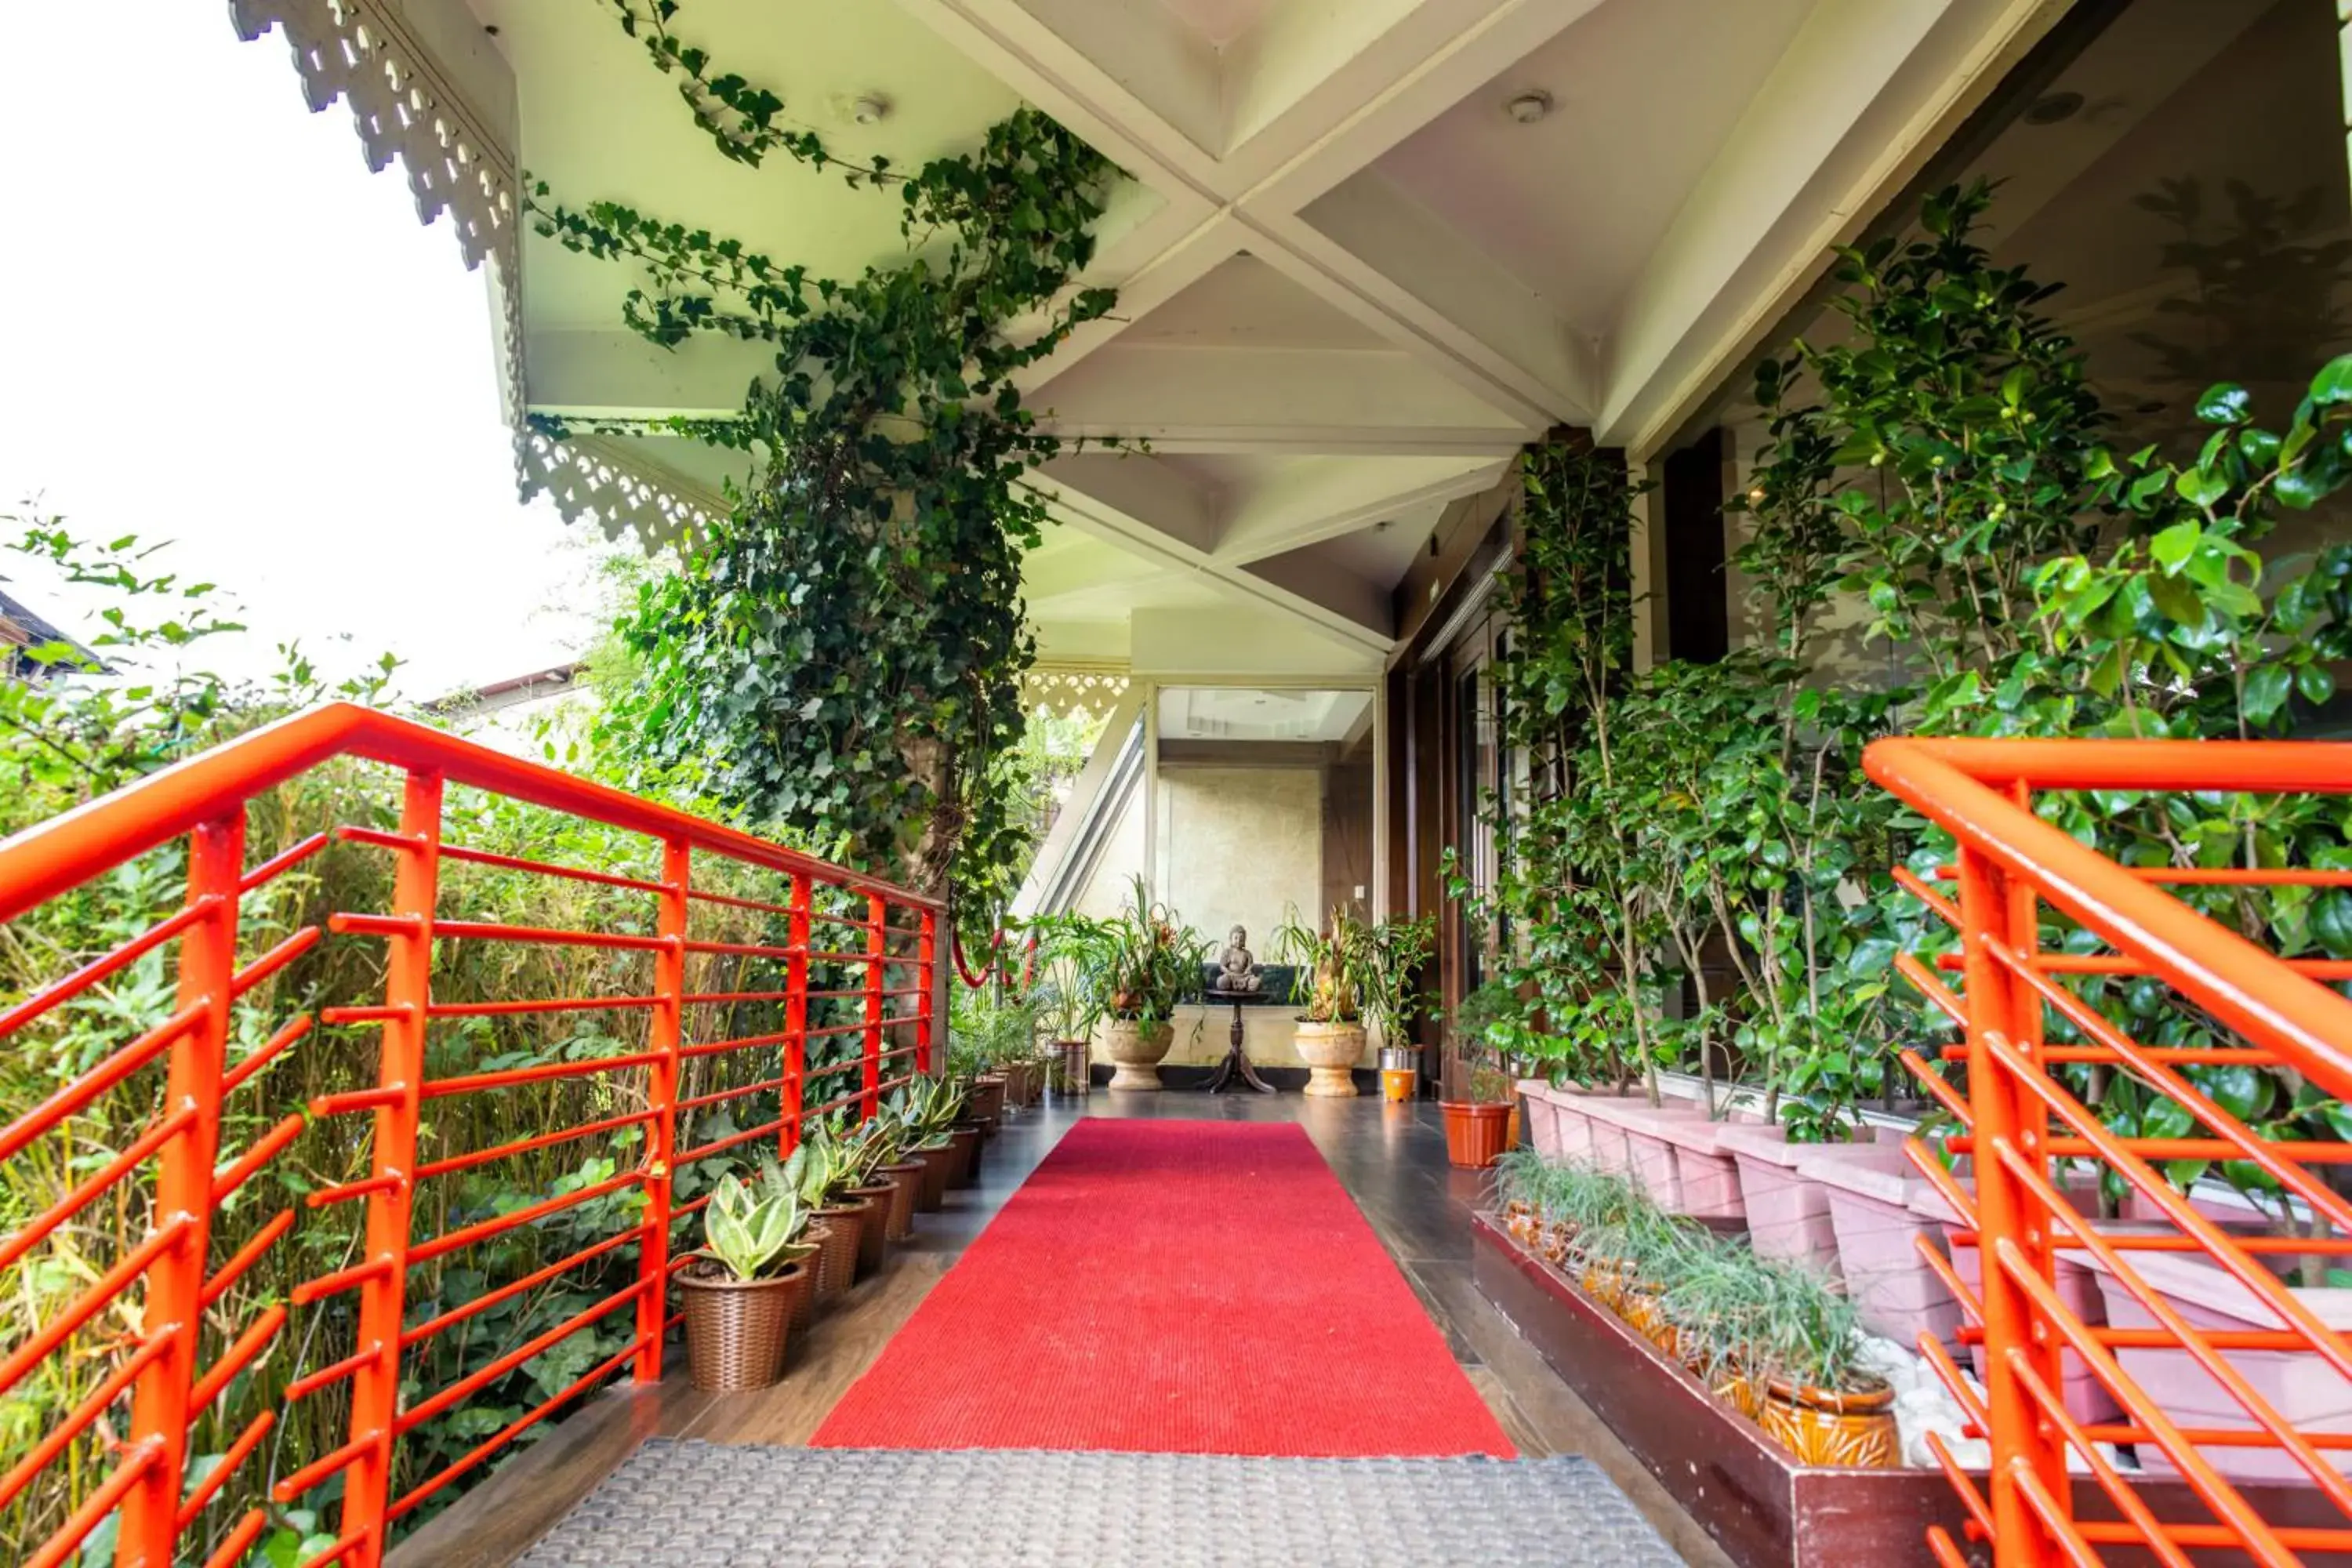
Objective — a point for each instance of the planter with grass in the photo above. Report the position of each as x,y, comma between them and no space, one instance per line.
743,1287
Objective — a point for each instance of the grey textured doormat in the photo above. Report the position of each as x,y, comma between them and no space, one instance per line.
705,1505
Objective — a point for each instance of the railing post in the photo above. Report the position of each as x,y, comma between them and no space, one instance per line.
2005,1039
877,916
384,1297
795,1094
159,1406
667,1033
927,956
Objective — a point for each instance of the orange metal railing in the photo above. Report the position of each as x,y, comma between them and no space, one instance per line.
2151,1319
348,1331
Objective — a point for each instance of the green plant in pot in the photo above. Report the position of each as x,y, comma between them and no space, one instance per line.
931,1112
1151,963
867,1151
820,1171
1475,1095
1392,987
885,1142
1330,967
740,1292
1070,994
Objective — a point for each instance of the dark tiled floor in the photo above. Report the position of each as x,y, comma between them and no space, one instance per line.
1390,1159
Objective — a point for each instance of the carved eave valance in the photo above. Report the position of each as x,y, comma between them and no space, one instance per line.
426,88
1074,690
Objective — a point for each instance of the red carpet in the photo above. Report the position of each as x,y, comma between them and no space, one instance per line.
1172,1286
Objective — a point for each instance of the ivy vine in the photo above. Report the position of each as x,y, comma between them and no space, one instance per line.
841,657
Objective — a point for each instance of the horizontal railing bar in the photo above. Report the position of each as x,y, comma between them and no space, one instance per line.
236,1172
740,1042
60,1437
309,1383
549,936
458,1314
383,838
344,1192
351,1101
506,1077
556,1005
374,1013
86,1306
98,1505
537,1141
325,1285
285,861
275,959
71,849
236,1454
2191,1054
98,969
425,1410
244,1258
516,1428
239,1355
267,1052
2122,964
346,923
325,1465
703,998
740,949
699,1101
71,1099
732,902
239,1540
74,1202
2303,1151
425,1251
705,1151
548,869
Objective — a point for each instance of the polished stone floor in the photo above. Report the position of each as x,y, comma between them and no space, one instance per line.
1390,1158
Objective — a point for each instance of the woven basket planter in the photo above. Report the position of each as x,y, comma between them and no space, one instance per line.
837,1260
937,1163
804,1301
906,1195
874,1225
735,1330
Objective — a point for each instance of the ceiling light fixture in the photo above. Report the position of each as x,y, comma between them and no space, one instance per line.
2051,107
870,110
1529,106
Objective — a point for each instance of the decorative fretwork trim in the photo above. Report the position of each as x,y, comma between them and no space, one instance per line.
592,478
406,106
1071,690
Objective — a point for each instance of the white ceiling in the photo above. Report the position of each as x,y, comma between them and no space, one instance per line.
1237,713
1351,286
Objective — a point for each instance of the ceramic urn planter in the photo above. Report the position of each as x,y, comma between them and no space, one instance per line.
1331,1052
1137,1049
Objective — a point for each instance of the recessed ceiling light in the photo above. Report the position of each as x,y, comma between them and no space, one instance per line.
870,110
2051,107
1529,106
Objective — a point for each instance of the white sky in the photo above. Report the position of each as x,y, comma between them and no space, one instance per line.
223,330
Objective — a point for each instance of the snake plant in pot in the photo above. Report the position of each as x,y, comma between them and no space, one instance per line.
819,1171
867,1152
739,1292
931,1108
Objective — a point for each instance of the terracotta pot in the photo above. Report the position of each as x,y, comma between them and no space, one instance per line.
938,1166
1137,1049
1824,1428
804,1301
873,1226
906,1197
987,1102
735,1330
1330,1052
837,1260
1474,1134
963,1155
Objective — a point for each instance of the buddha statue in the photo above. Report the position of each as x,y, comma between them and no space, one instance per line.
1237,973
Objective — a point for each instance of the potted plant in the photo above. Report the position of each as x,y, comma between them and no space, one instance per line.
819,1171
1475,1099
867,1154
1151,963
1329,967
1391,991
899,1165
1071,1002
739,1292
1805,1349
932,1106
